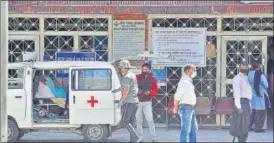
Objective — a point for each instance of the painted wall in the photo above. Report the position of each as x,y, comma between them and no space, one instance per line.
139,7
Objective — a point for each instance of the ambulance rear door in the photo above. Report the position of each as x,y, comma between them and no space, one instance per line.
91,100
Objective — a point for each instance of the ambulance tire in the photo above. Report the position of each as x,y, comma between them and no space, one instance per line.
21,134
100,136
13,131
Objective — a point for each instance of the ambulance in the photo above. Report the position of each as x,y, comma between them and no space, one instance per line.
87,103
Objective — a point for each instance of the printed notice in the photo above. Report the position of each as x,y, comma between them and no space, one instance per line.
181,46
128,38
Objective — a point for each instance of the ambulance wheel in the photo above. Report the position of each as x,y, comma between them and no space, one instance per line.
13,131
21,134
95,133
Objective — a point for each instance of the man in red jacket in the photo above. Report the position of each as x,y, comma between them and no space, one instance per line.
147,88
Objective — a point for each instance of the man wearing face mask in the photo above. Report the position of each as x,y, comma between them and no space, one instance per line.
129,101
147,88
184,102
242,95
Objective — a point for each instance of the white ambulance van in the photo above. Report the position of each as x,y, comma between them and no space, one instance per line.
88,103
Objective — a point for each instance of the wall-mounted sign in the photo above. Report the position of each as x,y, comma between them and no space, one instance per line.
160,73
128,38
182,46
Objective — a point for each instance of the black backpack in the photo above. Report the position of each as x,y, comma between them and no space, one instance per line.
235,129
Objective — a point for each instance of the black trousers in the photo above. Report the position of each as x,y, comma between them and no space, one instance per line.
245,103
129,119
258,118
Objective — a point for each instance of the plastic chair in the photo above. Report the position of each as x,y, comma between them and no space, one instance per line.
202,108
224,106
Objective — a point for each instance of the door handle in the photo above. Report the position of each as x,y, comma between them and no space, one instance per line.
116,101
18,96
73,99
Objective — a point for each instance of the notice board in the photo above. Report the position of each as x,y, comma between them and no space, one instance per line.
128,38
180,46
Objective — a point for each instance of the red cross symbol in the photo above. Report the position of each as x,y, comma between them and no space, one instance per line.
92,101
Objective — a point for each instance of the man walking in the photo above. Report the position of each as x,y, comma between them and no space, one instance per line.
242,96
185,99
129,101
147,88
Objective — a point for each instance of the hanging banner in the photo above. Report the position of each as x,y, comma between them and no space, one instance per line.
181,46
128,38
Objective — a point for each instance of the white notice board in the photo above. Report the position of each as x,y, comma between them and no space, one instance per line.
182,46
128,38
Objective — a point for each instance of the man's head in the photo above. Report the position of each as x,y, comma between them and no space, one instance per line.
124,66
146,67
256,65
190,70
244,67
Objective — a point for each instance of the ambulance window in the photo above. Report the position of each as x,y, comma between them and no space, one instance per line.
15,78
94,79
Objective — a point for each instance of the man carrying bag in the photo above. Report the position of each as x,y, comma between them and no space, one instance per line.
242,95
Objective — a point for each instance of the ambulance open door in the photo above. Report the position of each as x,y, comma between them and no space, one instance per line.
90,96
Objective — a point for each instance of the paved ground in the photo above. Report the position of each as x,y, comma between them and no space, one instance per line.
172,135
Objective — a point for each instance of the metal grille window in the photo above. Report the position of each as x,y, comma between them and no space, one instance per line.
97,44
23,24
247,24
55,44
76,24
18,47
209,23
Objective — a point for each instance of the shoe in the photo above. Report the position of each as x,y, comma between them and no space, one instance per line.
137,140
259,131
154,141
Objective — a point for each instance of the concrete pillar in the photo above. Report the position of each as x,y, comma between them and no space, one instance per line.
3,66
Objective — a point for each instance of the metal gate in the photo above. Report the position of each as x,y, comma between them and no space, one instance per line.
235,50
207,81
235,38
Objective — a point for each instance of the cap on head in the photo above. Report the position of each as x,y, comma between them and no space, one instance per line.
124,64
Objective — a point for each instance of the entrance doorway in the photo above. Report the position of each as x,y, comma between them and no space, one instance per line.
236,49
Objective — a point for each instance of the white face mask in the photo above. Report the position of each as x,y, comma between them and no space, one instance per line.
193,74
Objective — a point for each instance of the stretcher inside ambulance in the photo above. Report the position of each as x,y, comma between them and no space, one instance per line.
85,100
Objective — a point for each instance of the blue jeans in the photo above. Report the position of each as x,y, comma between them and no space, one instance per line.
189,126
